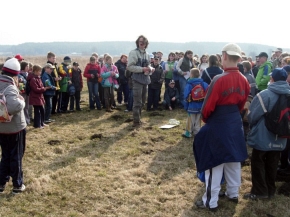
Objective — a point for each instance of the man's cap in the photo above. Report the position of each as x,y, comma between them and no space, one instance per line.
12,66
287,68
172,82
151,56
263,54
48,65
75,64
279,74
278,50
233,50
19,57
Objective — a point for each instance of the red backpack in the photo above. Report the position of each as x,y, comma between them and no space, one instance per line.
197,92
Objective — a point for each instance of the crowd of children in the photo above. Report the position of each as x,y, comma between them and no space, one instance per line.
211,89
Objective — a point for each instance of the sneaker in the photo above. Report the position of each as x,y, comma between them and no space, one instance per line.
45,125
187,134
52,120
126,110
17,190
2,188
47,121
199,204
254,196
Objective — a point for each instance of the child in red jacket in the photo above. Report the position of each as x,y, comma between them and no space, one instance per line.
36,96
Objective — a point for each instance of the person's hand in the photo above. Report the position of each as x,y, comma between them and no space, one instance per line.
69,82
173,99
92,76
59,78
170,108
184,73
152,70
45,88
146,69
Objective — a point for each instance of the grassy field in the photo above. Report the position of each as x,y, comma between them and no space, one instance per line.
93,163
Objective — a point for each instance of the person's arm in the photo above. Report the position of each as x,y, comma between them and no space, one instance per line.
14,103
81,80
86,72
61,71
162,77
180,72
265,77
256,111
35,87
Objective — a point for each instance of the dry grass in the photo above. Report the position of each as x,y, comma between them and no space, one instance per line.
95,164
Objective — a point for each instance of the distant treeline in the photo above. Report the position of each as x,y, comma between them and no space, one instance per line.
117,48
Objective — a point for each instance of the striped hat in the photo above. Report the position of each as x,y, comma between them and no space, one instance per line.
12,66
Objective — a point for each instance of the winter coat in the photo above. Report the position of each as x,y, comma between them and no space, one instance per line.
77,79
121,69
170,93
212,71
65,73
136,61
252,83
106,74
263,76
47,80
259,137
37,90
92,69
193,107
157,77
14,105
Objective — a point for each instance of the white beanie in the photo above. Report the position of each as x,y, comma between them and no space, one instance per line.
12,66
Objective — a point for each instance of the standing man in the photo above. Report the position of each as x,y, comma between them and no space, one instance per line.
219,146
265,68
277,54
139,65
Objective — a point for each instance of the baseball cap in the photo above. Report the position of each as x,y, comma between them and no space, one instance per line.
75,64
263,54
172,82
279,74
151,56
48,65
19,57
233,50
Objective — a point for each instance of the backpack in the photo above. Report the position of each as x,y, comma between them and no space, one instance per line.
197,93
277,120
27,88
4,115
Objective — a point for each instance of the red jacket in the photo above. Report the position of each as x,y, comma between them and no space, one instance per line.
229,88
92,69
37,89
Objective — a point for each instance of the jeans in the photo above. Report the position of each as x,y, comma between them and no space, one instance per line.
13,148
123,89
55,103
63,101
182,83
130,100
93,95
38,116
48,107
153,98
75,98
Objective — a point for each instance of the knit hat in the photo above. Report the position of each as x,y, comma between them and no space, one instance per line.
12,66
279,74
67,60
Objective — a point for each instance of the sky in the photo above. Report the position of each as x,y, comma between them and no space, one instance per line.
244,21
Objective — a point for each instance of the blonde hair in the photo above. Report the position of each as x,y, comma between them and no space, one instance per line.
194,73
108,57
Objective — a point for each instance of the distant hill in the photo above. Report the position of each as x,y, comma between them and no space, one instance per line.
117,48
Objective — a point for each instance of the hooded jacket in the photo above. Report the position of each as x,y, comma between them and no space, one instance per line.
259,137
122,69
14,105
193,107
263,76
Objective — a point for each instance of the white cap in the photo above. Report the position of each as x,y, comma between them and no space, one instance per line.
233,50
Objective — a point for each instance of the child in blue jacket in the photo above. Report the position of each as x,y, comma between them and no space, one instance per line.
193,108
